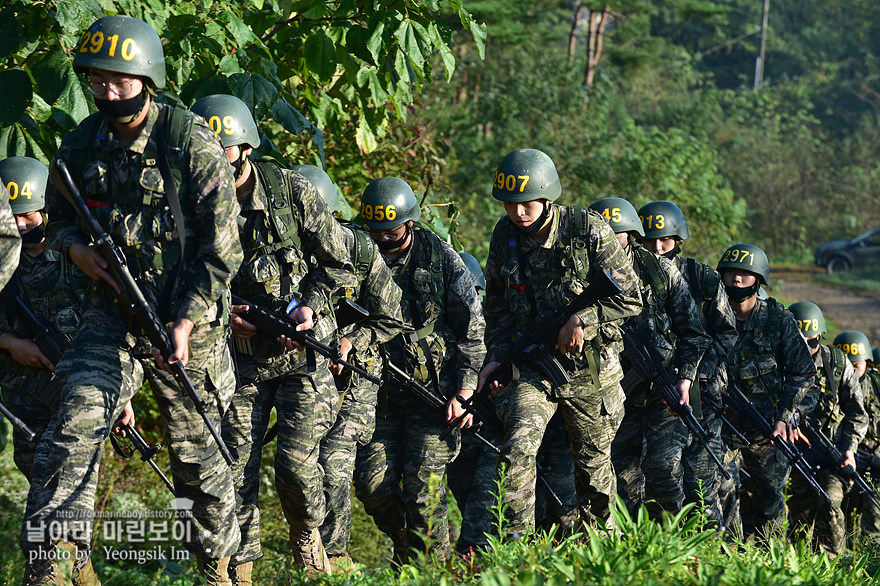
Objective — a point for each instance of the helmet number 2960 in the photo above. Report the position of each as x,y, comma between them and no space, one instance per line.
511,182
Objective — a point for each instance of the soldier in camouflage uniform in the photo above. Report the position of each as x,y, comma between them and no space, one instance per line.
377,293
651,438
869,376
10,241
833,406
772,366
665,227
117,156
541,256
444,353
287,234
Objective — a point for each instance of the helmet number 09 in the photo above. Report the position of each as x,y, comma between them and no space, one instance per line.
654,221
226,126
509,182
379,213
94,42
12,188
738,255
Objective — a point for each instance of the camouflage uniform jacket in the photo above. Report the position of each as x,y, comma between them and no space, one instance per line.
871,393
835,404
126,193
525,278
716,315
308,266
441,304
10,241
55,290
670,313
771,363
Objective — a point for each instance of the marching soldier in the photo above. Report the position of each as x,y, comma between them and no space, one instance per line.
444,353
541,256
869,376
155,178
294,258
10,241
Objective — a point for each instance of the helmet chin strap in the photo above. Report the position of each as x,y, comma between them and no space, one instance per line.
542,220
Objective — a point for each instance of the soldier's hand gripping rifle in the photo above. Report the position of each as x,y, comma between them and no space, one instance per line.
829,454
131,297
138,443
647,364
399,380
744,406
535,348
281,325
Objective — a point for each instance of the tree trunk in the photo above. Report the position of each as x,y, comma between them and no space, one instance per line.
572,34
598,22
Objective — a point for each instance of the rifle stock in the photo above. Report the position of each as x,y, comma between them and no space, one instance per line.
132,297
829,453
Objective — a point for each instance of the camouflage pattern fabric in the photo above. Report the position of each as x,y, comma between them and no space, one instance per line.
517,268
771,364
309,269
868,514
10,241
438,289
554,457
472,480
355,420
99,372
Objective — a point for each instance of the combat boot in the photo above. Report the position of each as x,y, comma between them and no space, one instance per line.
401,547
57,570
240,574
214,572
308,552
87,576
341,564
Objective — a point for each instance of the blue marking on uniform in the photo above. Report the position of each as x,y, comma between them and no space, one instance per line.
511,242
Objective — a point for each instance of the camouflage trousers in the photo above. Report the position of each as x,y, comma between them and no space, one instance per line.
471,478
557,469
701,476
809,510
100,376
406,448
756,505
592,419
36,410
354,426
304,404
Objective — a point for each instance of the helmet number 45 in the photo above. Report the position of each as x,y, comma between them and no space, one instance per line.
379,213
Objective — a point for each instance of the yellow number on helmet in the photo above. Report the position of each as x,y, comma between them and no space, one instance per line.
97,42
660,222
525,179
12,188
215,124
616,216
390,212
129,49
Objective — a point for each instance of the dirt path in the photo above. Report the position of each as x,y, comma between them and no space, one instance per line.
849,311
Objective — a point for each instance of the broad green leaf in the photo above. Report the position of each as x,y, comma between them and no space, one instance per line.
365,138
254,90
50,74
376,26
476,29
72,106
442,44
356,44
16,95
406,36
294,122
320,56
229,65
42,110
367,78
75,17
239,30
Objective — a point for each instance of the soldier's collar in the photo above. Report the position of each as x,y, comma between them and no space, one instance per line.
259,199
140,143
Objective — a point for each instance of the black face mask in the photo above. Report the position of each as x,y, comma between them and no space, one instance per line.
34,237
813,343
121,111
533,228
671,254
393,245
740,294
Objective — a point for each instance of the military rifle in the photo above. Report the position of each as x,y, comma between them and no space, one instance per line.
282,325
648,365
828,452
132,298
718,410
137,442
398,379
17,423
744,406
867,463
535,348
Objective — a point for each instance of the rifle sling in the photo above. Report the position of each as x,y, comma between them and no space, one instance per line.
421,328
173,197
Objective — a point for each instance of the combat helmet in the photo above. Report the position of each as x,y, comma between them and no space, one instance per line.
124,45
526,175
662,219
619,213
854,344
876,357
25,179
323,184
746,257
387,203
476,270
230,118
809,318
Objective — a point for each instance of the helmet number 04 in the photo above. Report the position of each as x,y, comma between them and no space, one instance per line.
738,255
509,182
94,42
379,213
12,188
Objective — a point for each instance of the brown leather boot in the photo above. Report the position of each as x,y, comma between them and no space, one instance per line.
308,551
240,574
341,564
214,572
87,576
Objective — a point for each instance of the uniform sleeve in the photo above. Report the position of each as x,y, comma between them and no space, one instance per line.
691,340
796,366
499,320
10,242
211,190
608,254
464,316
721,326
381,296
62,230
852,402
324,238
